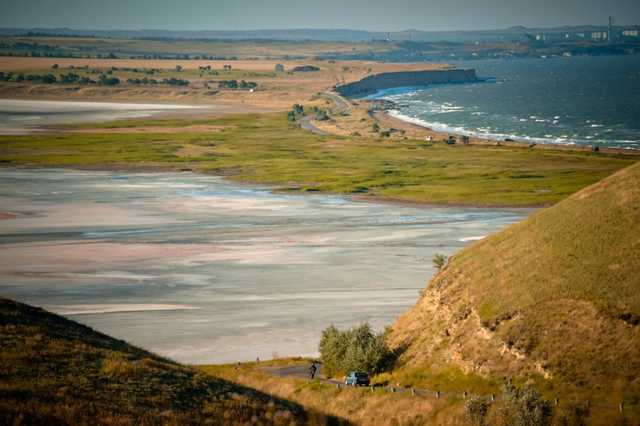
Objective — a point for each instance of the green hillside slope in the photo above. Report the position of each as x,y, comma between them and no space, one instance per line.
554,299
56,371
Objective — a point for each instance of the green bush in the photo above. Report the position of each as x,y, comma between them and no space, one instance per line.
439,261
356,349
109,81
525,407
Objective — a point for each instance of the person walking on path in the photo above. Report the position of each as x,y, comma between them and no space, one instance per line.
312,370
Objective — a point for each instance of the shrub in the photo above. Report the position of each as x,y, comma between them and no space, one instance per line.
279,68
306,68
573,415
525,407
321,115
247,85
476,409
229,84
295,113
439,261
298,109
175,82
49,79
356,349
109,81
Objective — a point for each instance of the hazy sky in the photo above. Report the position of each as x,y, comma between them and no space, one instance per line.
383,15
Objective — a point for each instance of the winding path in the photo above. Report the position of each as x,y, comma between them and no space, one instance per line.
340,105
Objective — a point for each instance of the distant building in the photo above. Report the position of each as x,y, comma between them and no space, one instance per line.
599,36
630,33
549,36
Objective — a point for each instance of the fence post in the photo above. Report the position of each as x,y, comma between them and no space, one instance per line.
493,397
438,394
621,406
338,385
556,401
371,387
464,395
413,392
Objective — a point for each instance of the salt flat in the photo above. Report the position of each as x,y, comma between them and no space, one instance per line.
202,270
25,116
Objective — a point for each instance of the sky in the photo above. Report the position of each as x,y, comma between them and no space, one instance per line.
374,15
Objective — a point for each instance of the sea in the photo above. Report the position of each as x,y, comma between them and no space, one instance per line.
586,100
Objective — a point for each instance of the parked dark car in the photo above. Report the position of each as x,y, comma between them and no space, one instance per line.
357,378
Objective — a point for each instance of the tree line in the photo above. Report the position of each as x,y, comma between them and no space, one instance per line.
73,78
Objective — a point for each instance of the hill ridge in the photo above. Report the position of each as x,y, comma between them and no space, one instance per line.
552,299
56,371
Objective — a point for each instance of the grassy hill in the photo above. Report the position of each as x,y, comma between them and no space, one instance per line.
55,371
553,300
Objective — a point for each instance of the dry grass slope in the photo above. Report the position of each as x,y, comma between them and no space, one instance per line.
55,371
554,299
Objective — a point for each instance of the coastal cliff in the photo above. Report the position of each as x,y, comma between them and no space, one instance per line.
373,83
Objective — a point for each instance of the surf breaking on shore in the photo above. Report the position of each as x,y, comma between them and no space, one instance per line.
531,101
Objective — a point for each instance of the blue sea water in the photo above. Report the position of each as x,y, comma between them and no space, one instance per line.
575,100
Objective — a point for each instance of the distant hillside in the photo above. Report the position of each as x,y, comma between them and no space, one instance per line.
317,34
554,299
56,371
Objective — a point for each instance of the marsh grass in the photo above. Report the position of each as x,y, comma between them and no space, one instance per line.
267,149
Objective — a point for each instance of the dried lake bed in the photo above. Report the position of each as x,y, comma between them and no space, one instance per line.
21,116
204,271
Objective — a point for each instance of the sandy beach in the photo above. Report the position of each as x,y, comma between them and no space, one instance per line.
423,132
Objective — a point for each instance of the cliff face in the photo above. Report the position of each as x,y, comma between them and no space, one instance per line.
373,83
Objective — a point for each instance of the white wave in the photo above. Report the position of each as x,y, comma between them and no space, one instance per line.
484,134
117,308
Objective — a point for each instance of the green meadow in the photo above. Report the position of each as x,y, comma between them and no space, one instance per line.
267,149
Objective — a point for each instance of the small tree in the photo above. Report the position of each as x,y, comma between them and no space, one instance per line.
357,349
298,109
439,261
375,128
109,81
279,68
321,115
525,407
